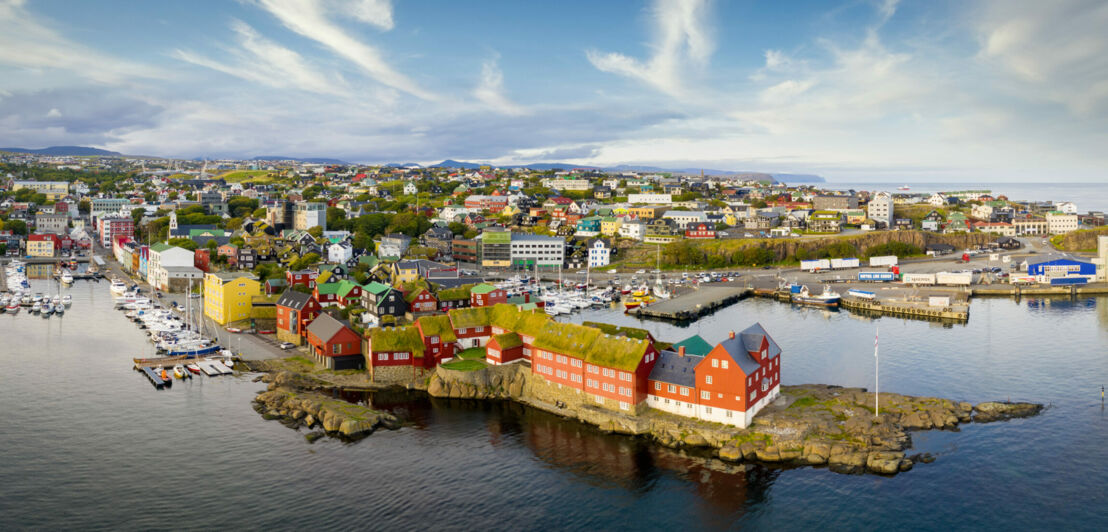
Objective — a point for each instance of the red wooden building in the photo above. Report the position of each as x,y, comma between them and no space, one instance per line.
487,295
202,260
700,230
295,310
334,344
421,300
305,278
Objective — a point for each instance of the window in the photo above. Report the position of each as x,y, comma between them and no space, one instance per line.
671,388
382,356
715,363
728,413
462,330
708,410
707,379
705,395
434,339
575,363
594,369
753,395
765,385
625,376
723,364
684,391
657,386
338,349
400,356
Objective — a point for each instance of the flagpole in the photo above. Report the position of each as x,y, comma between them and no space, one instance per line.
876,374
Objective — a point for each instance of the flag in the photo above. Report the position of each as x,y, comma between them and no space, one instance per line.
876,335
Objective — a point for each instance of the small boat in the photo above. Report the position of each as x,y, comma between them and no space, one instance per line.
163,374
59,310
118,286
229,363
56,300
66,278
193,368
36,308
67,300
178,371
905,187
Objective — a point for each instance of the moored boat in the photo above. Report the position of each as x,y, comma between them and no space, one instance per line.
828,298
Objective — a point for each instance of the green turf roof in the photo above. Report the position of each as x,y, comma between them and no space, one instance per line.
465,318
438,325
403,339
482,288
457,293
510,318
508,340
592,345
615,330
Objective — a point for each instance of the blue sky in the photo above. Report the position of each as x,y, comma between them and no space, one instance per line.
862,89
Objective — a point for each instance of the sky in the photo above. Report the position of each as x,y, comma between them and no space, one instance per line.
976,90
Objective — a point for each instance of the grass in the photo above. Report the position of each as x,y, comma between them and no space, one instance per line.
465,365
473,353
238,176
803,402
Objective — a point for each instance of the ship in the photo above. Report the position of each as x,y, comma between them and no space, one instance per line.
905,187
829,298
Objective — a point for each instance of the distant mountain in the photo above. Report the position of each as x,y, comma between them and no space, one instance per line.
63,151
799,178
789,178
310,160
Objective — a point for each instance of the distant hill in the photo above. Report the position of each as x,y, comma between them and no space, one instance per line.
799,178
310,160
63,151
788,178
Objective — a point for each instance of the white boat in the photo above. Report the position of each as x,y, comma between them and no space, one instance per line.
118,286
59,310
66,278
36,307
67,300
56,299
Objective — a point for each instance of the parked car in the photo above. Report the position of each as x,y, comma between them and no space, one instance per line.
286,345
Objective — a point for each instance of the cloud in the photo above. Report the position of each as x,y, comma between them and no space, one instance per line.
310,19
682,36
376,12
490,90
1057,49
86,115
26,42
261,60
53,113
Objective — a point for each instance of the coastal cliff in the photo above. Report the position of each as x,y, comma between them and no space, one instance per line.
300,401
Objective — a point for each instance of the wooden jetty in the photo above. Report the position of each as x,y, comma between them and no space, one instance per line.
155,378
692,305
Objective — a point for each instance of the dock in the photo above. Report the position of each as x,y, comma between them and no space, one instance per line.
694,304
910,309
155,378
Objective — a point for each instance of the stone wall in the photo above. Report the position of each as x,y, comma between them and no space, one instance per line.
290,337
396,374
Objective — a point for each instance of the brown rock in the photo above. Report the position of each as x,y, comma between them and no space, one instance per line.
731,453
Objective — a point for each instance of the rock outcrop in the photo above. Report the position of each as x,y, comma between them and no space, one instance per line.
296,401
994,411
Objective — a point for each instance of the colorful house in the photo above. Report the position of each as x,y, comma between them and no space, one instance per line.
295,310
227,296
420,299
335,344
504,348
487,295
700,230
439,340
305,278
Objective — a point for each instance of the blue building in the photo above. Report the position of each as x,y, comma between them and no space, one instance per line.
1062,268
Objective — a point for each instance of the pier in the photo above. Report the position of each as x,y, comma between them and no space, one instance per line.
694,304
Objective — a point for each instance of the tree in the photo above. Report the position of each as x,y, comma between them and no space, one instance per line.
336,218
304,262
260,212
316,231
458,228
233,224
211,244
18,227
186,243
84,206
760,204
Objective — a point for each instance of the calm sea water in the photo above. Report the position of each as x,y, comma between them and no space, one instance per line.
85,442
1087,196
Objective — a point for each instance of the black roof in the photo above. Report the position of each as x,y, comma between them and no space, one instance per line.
674,369
294,299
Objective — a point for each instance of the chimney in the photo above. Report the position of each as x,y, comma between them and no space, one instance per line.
681,351
732,335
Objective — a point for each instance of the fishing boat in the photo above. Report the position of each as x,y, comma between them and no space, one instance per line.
828,298
178,371
904,187
66,278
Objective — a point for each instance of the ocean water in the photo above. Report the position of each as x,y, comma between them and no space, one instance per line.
1087,196
88,443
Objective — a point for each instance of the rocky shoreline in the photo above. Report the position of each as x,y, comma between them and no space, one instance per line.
811,424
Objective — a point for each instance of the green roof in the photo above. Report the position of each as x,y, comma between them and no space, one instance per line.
508,340
615,330
483,288
328,288
437,325
377,289
465,318
592,345
497,237
160,247
694,345
455,294
345,287
368,259
404,339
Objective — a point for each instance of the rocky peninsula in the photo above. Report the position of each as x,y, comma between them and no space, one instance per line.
810,424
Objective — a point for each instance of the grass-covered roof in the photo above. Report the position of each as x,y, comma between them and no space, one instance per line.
592,345
457,293
392,339
615,330
508,340
465,318
437,325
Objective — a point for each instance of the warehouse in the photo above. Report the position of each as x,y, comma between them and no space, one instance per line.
1051,269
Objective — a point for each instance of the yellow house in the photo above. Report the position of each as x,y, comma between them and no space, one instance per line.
227,296
609,225
404,271
40,248
648,212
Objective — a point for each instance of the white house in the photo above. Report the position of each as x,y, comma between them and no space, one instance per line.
410,188
652,199
600,253
162,258
684,218
633,229
339,253
1066,207
1058,222
880,209
937,200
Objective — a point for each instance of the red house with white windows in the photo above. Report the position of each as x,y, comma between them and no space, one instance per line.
295,310
728,384
305,278
700,230
421,300
487,295
334,344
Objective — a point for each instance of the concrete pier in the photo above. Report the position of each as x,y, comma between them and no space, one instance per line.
690,306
